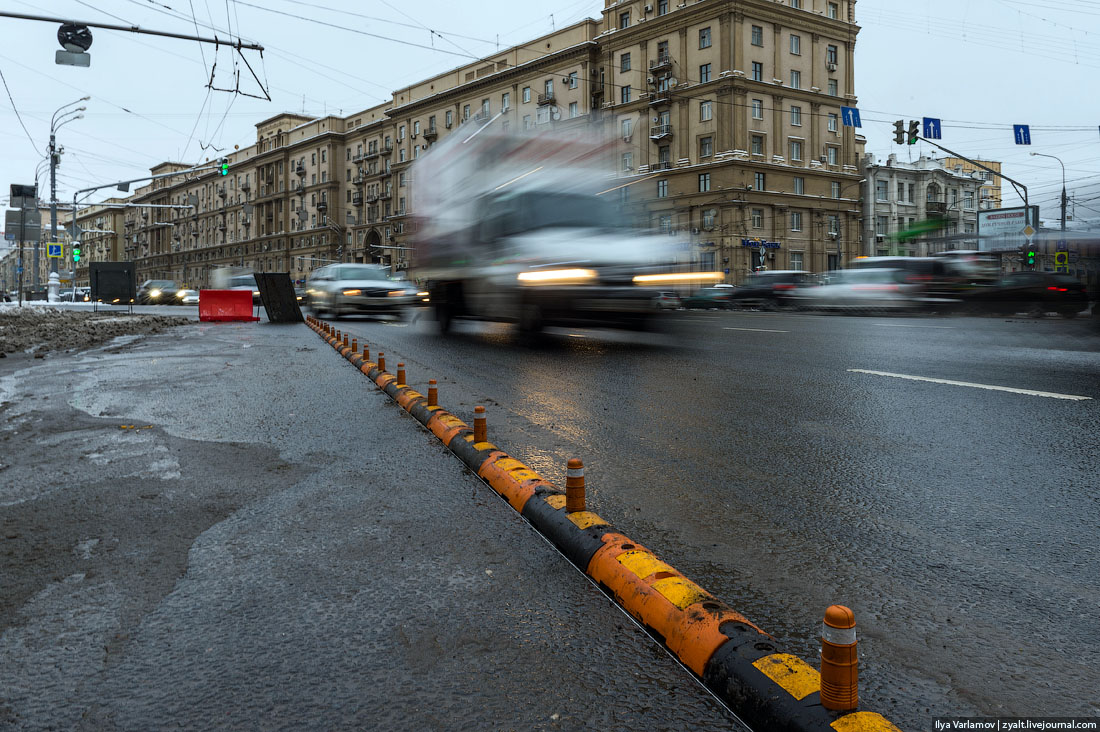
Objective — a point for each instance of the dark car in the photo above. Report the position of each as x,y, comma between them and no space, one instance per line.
157,292
1034,293
710,298
771,290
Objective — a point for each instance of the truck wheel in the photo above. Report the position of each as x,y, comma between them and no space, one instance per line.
444,318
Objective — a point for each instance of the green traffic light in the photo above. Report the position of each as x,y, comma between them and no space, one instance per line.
225,168
76,254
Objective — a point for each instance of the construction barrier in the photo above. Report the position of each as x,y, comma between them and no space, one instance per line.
740,663
220,306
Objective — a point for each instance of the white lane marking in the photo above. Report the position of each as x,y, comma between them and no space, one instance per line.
900,325
759,330
991,387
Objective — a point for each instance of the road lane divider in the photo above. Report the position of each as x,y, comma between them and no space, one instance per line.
742,665
989,387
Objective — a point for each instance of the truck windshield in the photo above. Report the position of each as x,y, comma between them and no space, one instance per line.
532,210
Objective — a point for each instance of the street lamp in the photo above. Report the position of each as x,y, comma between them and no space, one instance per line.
55,158
1044,155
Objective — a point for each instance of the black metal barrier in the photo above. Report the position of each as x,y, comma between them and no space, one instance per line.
277,295
112,283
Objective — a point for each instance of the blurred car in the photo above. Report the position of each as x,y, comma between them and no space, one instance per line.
862,289
771,289
340,289
668,301
301,294
83,294
1034,293
188,297
245,282
157,292
710,298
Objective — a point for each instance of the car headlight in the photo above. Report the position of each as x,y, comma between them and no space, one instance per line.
557,277
352,293
400,293
181,293
154,293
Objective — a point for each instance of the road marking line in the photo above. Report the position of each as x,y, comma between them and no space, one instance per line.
900,325
1029,392
759,330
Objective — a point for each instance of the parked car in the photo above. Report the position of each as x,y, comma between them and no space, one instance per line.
1034,293
771,290
157,292
711,298
341,289
862,289
668,301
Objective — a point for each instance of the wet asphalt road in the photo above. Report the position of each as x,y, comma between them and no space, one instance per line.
959,523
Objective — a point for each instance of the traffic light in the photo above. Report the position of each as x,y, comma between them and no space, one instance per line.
914,131
76,252
899,132
225,166
1031,256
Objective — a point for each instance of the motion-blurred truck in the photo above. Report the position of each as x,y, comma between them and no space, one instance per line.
528,229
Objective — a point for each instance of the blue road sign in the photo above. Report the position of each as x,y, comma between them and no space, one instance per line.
850,115
932,128
1062,245
53,250
19,270
1022,133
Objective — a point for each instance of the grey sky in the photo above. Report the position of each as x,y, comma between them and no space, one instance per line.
980,65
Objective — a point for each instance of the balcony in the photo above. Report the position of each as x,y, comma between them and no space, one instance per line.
661,165
359,158
245,186
661,96
300,169
660,132
359,179
935,208
663,62
385,196
357,199
431,134
322,206
370,154
545,99
372,198
386,150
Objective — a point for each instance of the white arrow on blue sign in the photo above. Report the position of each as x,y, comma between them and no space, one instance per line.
932,128
850,115
1022,133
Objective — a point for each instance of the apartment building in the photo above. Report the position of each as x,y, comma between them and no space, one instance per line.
725,117
989,197
900,197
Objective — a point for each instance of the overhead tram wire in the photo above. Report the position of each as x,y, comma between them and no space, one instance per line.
17,115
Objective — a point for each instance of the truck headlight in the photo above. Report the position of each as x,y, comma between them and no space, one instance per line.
557,277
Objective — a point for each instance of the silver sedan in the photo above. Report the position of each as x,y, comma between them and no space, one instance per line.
343,289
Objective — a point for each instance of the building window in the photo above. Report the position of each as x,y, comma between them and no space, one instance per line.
796,79
704,73
313,159
834,224
624,20
704,37
881,225
799,186
542,115
968,199
624,62
757,71
573,110
526,94
401,155
834,189
796,45
401,133
664,154
706,147
662,189
796,150
881,193
449,118
834,122
627,126
834,10
465,112
706,111
796,261
665,222
758,181
912,190
708,218
758,109
901,192
831,155
796,116
548,88
505,101
628,161
830,54
572,79
757,35
526,121
704,182
796,221
796,4
758,218
662,7
624,95
832,88
757,144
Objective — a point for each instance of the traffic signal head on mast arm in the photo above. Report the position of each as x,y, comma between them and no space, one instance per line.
899,132
224,163
914,131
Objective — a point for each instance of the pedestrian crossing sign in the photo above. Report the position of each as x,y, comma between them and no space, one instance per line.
55,249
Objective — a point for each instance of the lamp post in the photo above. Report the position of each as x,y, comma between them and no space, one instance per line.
841,218
1044,155
55,158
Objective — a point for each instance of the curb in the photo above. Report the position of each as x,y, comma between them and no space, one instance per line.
737,661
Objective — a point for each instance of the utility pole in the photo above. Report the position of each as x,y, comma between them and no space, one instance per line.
55,159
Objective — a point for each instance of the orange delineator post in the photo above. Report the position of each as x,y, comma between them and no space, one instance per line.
574,486
220,306
839,661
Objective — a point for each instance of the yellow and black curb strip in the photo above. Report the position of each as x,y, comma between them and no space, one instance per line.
740,663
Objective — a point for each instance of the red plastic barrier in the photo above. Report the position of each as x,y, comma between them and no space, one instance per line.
226,305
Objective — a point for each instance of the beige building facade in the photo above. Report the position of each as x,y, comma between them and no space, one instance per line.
724,115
